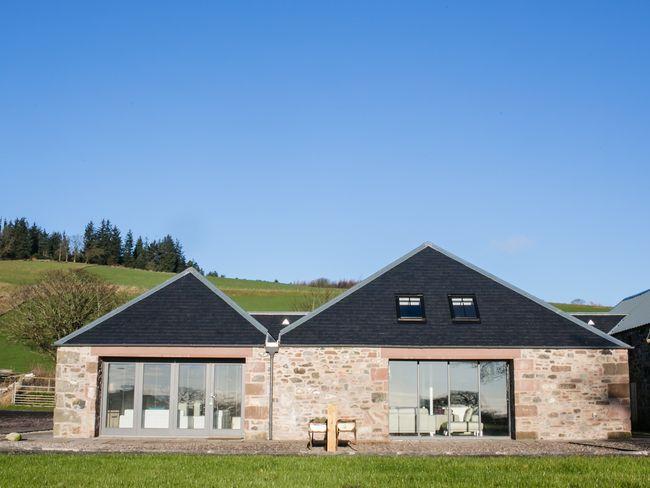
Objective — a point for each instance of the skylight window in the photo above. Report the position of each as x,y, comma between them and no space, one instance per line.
463,308
410,308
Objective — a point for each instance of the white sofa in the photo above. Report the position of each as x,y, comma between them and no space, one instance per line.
464,421
431,424
401,421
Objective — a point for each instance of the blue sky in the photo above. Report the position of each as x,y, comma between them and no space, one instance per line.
291,141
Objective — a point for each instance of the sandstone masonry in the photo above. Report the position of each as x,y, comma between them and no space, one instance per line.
571,394
558,393
76,413
355,379
76,392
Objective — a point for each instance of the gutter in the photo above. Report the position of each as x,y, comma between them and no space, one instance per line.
272,347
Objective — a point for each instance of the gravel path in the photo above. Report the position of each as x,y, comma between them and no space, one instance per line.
44,442
24,421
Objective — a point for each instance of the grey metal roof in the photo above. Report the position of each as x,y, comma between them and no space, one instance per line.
637,308
627,304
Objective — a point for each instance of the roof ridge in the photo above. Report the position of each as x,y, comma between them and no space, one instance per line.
155,289
350,291
635,295
465,263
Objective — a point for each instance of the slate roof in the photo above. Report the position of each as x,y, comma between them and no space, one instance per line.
185,310
274,321
602,321
366,314
637,308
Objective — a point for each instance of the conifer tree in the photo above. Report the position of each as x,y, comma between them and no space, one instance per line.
89,240
127,250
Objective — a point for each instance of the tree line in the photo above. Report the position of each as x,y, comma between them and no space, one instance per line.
327,283
99,244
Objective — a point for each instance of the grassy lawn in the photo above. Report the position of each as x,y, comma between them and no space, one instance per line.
345,471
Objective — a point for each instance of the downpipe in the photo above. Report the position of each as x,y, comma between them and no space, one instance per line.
272,347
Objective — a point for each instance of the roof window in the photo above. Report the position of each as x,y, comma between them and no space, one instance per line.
410,308
463,308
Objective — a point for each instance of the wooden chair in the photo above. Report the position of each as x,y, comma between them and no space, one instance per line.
346,426
316,427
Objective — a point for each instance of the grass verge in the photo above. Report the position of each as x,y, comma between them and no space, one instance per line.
21,408
203,470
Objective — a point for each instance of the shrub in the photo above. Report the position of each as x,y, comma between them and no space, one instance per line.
310,300
58,305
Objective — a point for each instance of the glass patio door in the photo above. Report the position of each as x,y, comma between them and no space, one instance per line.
403,397
433,408
463,398
191,404
177,398
495,401
227,397
457,398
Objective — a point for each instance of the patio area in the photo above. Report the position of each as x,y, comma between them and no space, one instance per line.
44,442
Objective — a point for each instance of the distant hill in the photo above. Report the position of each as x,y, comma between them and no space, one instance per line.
252,295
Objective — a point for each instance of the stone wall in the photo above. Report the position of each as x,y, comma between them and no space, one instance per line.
76,392
256,395
76,411
308,379
639,373
558,393
571,394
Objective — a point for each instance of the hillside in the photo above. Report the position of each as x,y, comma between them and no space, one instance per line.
252,295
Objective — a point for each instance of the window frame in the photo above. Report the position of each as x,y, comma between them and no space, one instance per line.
421,319
172,430
476,320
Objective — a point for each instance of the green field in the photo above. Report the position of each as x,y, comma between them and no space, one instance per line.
571,308
252,295
68,470
20,358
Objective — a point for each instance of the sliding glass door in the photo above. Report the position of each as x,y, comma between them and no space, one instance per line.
494,404
172,398
227,397
434,398
119,395
403,397
191,396
457,398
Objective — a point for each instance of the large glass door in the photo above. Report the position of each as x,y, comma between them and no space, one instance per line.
156,389
403,397
457,398
120,396
463,398
227,397
434,398
495,405
192,382
172,398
